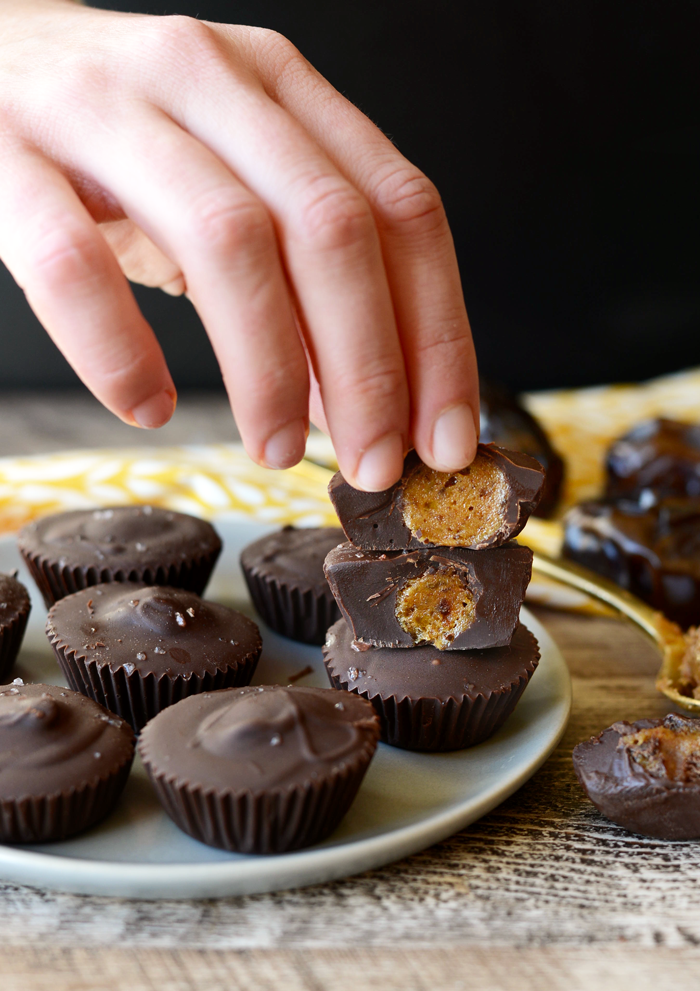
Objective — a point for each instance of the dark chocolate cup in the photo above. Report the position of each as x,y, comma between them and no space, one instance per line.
11,636
440,723
274,821
136,697
47,818
290,609
55,581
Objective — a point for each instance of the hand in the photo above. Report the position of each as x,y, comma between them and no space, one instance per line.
213,159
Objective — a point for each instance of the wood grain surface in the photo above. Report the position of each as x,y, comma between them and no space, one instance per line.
541,894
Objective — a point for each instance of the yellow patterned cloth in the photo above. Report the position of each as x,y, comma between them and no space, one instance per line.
211,480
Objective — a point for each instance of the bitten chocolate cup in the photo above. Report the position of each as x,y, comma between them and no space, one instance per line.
64,761
260,770
14,613
284,574
451,598
481,506
138,649
70,551
645,776
434,700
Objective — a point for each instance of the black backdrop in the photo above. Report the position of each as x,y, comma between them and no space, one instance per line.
565,140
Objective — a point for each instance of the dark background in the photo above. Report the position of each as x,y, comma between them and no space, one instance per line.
565,140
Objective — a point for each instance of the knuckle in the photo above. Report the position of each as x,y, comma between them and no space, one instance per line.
63,257
273,46
336,216
377,382
450,341
177,36
408,200
225,224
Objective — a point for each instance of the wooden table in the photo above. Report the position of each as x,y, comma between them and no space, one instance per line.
541,894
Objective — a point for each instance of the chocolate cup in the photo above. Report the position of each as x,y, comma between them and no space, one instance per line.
116,681
57,575
628,795
44,811
13,621
299,605
450,706
49,818
266,821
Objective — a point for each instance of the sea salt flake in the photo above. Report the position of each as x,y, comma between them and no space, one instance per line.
129,667
140,656
275,741
180,619
18,681
190,612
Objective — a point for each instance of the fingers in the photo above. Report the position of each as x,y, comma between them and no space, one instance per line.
330,249
417,248
223,241
54,250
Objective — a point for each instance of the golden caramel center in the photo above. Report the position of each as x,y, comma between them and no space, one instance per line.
671,750
435,608
461,509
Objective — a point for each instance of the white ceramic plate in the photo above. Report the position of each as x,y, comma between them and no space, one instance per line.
407,800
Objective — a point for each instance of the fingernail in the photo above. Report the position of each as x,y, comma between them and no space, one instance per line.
154,412
454,438
286,447
380,465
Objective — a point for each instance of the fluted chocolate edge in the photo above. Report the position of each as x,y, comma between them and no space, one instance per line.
55,582
274,821
438,725
136,697
11,636
46,818
294,610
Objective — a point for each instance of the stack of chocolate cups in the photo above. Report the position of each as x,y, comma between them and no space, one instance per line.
430,586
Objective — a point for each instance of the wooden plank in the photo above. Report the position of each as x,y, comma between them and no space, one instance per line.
352,968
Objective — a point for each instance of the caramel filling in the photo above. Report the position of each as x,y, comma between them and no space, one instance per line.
459,509
671,750
689,671
436,607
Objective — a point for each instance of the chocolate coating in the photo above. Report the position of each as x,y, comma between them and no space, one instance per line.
376,520
14,613
643,799
654,553
139,648
70,551
366,585
284,574
508,424
63,762
657,458
260,770
434,700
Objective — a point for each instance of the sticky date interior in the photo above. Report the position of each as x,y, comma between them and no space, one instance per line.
670,750
435,607
459,509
